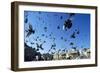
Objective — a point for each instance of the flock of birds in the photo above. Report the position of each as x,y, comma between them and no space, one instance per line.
66,26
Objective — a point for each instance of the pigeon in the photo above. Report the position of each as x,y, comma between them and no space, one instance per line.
61,17
37,49
71,14
30,30
53,39
49,34
74,48
58,27
39,18
43,35
35,39
52,52
45,29
73,35
39,46
62,38
65,40
44,41
26,20
63,50
39,12
32,42
67,24
71,43
39,39
49,50
46,36
52,46
59,50
78,32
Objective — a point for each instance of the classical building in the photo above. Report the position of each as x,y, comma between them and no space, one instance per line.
72,54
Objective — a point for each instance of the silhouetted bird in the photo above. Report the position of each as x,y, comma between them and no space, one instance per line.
49,50
37,49
71,14
26,20
58,27
44,41
52,52
26,40
46,36
39,12
39,46
32,42
78,32
71,43
43,35
63,50
30,31
59,50
53,46
35,39
40,18
74,48
62,38
73,35
49,34
61,17
67,24
45,29
65,40
54,39
39,39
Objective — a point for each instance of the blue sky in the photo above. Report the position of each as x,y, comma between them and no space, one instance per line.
51,20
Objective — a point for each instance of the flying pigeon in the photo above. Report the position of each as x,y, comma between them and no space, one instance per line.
67,24
65,40
71,14
44,41
73,35
39,46
58,27
30,30
74,48
52,46
45,29
62,38
39,12
26,20
61,17
43,35
78,32
71,43
32,42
